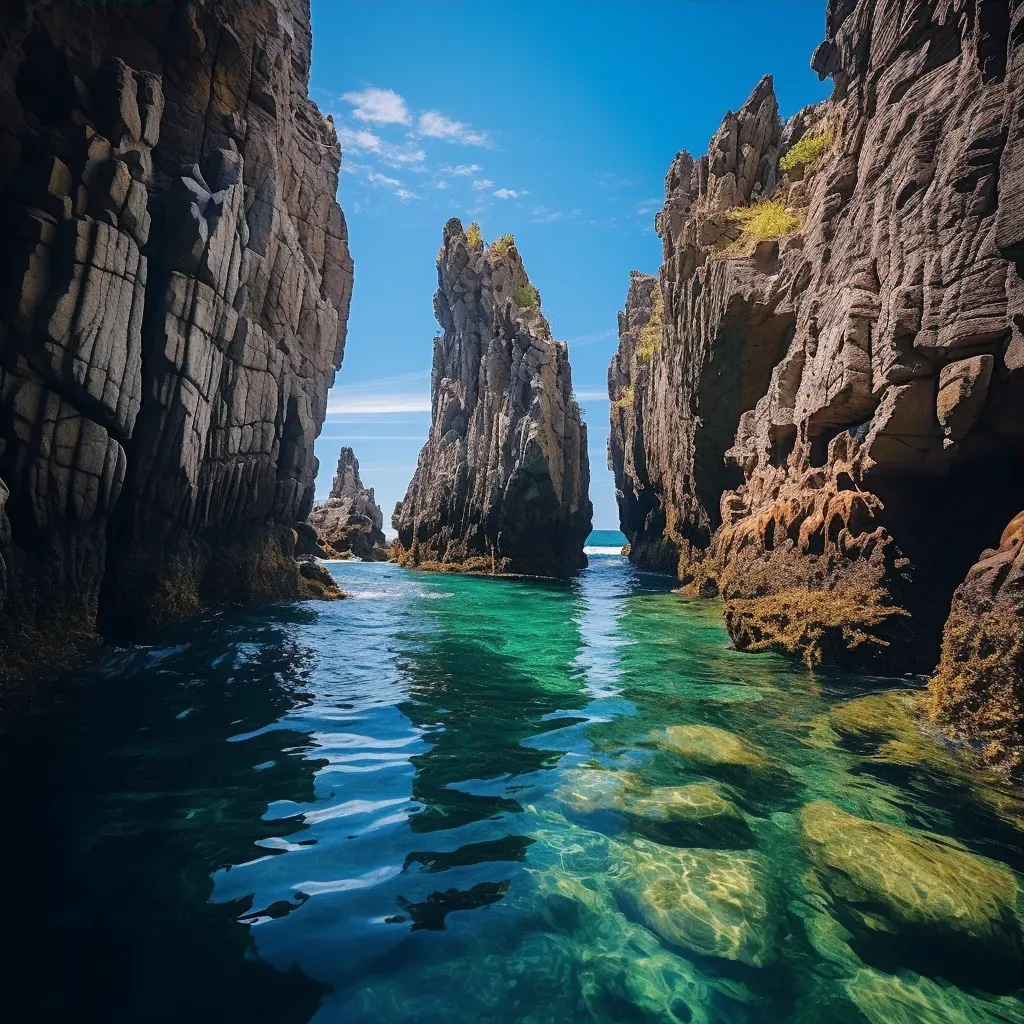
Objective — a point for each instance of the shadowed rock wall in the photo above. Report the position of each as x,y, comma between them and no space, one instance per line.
829,428
173,302
502,484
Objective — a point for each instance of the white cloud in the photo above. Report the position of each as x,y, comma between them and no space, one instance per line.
382,105
482,184
407,392
543,215
405,194
592,339
434,125
648,206
382,179
441,184
592,395
462,170
362,140
509,193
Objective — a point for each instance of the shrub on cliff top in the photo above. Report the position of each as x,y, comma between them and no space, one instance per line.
527,295
503,244
474,239
764,221
806,151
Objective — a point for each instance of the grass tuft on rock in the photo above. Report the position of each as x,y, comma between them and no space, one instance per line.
474,238
625,399
650,334
806,151
765,221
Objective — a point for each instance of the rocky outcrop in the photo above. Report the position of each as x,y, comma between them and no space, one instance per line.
502,484
175,292
350,522
827,429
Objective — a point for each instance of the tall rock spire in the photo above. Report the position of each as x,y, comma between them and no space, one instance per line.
502,484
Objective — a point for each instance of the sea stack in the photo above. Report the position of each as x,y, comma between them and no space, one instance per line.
350,523
826,426
175,292
502,484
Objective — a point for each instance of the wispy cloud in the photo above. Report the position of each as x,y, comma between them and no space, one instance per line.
591,395
362,140
608,179
482,184
461,170
441,185
407,392
435,125
545,215
392,184
648,206
592,339
509,193
384,106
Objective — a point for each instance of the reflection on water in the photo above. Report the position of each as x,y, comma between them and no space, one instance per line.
456,799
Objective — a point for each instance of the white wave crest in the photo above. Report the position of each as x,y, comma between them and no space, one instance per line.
602,551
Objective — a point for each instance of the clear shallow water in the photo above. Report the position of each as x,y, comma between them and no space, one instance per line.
451,799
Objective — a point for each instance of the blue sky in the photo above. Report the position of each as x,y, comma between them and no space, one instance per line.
552,120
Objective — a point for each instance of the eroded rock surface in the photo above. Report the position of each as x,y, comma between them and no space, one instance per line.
827,427
502,484
176,282
350,521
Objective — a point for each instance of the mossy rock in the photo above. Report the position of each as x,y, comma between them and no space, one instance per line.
907,884
707,901
693,815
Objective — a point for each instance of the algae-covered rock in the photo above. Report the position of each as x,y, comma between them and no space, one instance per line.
711,902
707,744
878,716
907,883
908,998
693,815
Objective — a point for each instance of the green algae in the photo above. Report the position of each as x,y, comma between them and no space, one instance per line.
693,815
709,745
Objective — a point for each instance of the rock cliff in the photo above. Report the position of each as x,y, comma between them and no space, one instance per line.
350,521
175,290
502,484
826,425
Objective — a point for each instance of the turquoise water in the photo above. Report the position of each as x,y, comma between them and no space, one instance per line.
473,800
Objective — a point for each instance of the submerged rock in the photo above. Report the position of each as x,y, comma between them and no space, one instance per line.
714,903
709,745
176,287
693,815
350,522
502,484
898,881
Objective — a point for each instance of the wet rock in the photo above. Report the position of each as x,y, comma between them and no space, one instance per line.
710,902
977,692
693,815
317,584
350,522
905,883
502,483
176,290
706,744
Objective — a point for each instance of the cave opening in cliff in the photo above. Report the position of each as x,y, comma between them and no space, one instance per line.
942,525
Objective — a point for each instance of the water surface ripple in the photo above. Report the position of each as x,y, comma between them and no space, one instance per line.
470,800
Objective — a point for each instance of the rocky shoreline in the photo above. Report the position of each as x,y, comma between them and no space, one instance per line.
817,405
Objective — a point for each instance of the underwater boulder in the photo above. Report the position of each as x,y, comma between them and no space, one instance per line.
707,901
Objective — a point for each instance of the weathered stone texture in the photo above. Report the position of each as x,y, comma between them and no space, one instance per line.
350,521
173,301
502,484
838,411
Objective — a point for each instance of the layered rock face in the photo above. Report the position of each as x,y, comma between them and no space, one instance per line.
350,521
828,428
175,293
502,484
